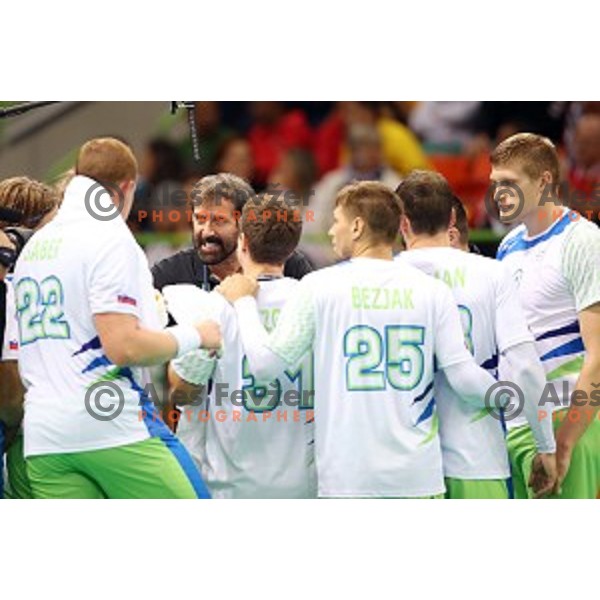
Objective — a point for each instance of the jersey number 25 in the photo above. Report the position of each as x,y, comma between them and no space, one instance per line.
375,360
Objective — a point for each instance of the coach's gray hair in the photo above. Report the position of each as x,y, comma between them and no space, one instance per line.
213,188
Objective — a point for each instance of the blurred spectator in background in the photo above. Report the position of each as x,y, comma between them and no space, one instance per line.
170,219
235,157
295,177
62,181
366,163
399,110
161,163
274,131
444,126
401,148
296,173
584,170
576,111
496,121
212,134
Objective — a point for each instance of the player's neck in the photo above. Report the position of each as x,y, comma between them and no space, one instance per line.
224,269
256,270
540,219
374,251
439,240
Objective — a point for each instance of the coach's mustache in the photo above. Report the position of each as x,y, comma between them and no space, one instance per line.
212,239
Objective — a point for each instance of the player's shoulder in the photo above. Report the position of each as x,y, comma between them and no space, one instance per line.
583,232
328,279
483,264
421,264
178,268
409,271
476,265
581,247
331,276
100,240
188,303
325,274
430,259
274,293
277,288
511,241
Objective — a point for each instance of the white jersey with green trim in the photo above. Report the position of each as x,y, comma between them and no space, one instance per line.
73,268
377,328
558,276
473,441
258,439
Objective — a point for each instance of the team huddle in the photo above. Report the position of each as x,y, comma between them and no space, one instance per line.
369,378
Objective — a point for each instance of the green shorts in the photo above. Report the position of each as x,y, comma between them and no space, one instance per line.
583,478
17,485
476,489
148,469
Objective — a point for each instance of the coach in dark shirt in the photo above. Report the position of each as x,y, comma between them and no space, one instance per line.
217,202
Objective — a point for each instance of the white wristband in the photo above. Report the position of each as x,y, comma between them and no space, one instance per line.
187,336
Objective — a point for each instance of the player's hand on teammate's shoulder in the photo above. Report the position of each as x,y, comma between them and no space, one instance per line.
543,479
210,332
237,286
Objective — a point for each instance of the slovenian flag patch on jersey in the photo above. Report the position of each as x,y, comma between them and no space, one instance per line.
123,299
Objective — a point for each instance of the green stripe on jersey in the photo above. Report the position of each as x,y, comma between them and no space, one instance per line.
569,368
435,427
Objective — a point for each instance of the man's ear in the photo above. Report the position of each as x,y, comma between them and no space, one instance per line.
243,242
357,228
546,183
452,218
242,252
126,188
454,236
405,228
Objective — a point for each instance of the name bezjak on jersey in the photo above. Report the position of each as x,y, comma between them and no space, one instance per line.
374,298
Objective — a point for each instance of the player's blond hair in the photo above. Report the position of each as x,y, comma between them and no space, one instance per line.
533,153
33,199
107,160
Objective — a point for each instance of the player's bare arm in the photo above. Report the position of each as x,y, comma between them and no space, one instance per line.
181,393
520,365
584,408
127,343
